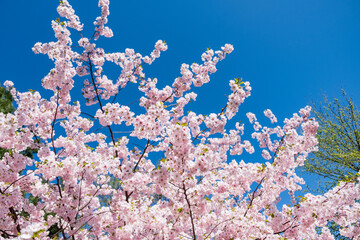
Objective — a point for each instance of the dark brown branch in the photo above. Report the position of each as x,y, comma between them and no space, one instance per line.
142,155
53,123
97,190
253,196
133,102
222,111
281,142
72,236
127,196
62,230
168,97
133,73
16,181
199,134
99,100
88,115
82,178
15,218
217,226
59,189
190,212
58,185
118,93
286,229
97,129
12,210
53,144
94,84
7,235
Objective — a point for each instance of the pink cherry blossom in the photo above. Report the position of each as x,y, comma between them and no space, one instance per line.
153,171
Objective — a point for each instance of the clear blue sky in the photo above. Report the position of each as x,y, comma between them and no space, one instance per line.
291,51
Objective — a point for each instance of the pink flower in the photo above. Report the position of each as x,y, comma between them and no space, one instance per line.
166,172
8,84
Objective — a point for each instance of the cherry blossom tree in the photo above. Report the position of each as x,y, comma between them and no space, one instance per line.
84,183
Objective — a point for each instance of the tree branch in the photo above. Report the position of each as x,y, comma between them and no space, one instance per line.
190,212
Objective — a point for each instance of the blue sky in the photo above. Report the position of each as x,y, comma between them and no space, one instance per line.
292,52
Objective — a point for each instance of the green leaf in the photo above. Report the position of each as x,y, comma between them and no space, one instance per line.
37,234
204,150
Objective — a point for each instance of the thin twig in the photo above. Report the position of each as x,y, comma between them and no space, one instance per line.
16,181
99,100
253,196
88,115
147,145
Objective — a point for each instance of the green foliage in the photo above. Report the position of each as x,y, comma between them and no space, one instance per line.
338,158
6,106
6,101
335,230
